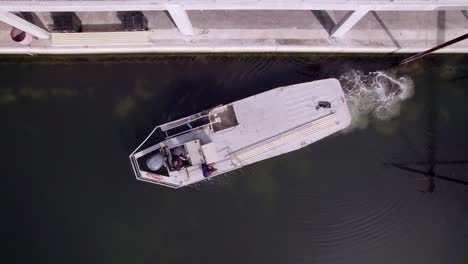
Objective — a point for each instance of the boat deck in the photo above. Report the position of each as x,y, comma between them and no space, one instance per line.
263,126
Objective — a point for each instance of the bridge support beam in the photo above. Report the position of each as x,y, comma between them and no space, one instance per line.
181,19
24,25
347,22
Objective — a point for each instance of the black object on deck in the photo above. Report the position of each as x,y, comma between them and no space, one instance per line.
66,22
228,119
323,104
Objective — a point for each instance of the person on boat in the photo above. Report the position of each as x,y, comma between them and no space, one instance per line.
207,170
178,164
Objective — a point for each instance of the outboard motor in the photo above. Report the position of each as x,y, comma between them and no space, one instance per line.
155,162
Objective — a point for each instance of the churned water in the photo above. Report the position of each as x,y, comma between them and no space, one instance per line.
375,95
68,125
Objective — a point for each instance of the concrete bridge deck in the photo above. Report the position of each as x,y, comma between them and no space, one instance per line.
207,26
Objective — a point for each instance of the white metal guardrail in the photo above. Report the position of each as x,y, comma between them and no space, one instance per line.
143,5
88,39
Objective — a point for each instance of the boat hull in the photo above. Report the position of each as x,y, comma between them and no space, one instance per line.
249,130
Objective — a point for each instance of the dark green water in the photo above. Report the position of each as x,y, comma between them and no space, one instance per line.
69,194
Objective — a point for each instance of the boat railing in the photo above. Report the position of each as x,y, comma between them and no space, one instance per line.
233,157
190,129
181,121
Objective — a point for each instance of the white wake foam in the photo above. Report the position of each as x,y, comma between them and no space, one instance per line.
376,95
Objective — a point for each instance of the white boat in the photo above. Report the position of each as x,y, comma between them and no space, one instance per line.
228,137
